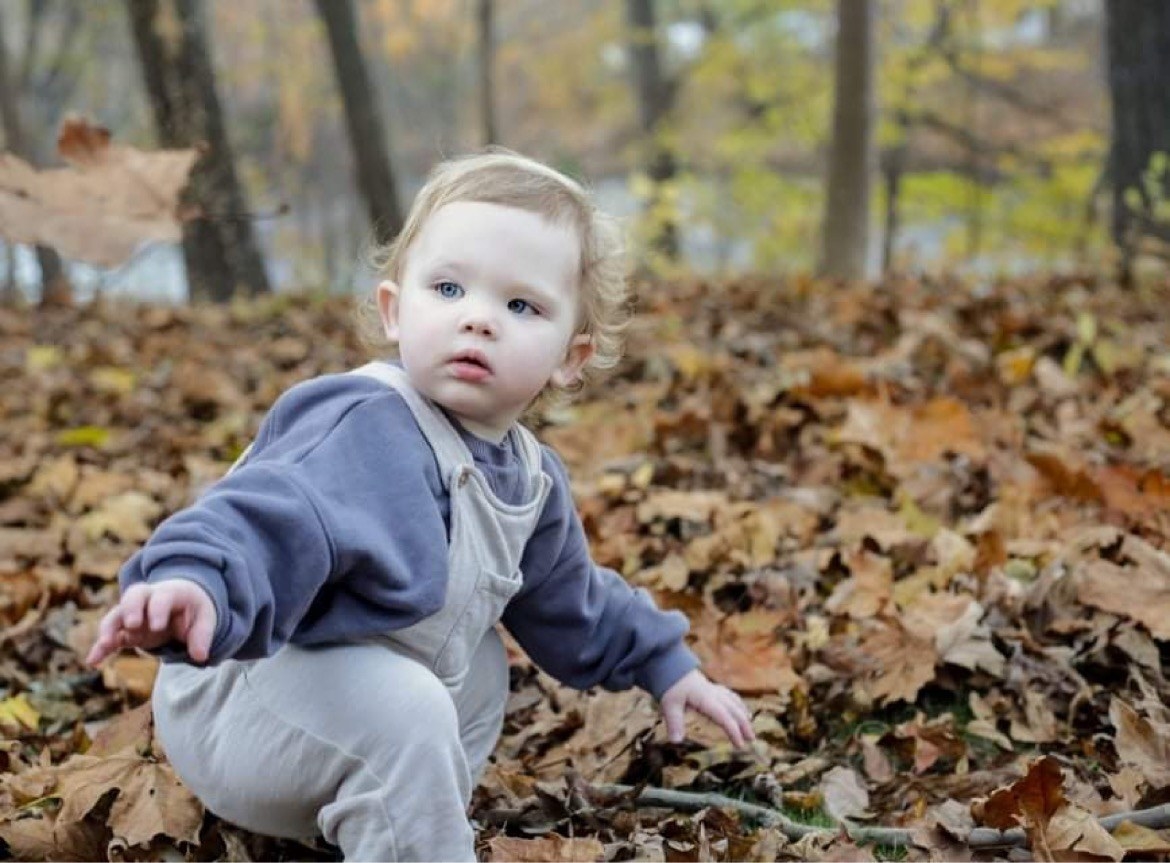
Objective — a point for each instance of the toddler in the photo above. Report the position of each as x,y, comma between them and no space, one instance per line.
328,609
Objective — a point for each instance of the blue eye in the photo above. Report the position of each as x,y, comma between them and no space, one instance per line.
448,290
522,307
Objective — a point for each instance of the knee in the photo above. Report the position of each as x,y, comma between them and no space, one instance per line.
414,707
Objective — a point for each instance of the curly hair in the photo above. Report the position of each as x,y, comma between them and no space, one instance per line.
502,177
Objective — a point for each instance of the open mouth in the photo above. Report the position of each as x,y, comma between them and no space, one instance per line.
471,364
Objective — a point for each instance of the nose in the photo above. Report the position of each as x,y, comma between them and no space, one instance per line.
478,322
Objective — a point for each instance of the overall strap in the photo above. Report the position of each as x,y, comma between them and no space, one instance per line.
528,448
444,440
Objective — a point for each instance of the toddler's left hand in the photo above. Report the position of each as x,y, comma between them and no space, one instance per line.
717,703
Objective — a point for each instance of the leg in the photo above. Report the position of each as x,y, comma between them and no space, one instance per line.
356,741
481,701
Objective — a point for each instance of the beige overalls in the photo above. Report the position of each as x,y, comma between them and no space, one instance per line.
375,745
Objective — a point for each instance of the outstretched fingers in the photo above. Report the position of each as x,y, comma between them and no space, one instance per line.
727,710
109,637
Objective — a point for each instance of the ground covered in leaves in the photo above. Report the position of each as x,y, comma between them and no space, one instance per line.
922,527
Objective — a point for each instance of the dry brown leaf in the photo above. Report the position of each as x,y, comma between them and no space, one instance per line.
868,592
129,730
545,848
133,673
1140,840
112,199
1142,742
910,437
1074,829
844,794
48,838
1030,802
1139,594
902,661
150,800
129,516
744,652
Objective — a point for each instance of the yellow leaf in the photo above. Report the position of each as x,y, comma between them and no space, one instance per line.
1015,366
642,477
40,358
110,379
1134,837
16,710
1086,328
84,436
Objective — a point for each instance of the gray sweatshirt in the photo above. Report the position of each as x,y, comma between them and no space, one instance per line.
336,529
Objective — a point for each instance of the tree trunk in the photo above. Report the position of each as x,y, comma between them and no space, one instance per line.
654,95
219,246
892,168
367,134
55,286
487,52
1137,34
852,155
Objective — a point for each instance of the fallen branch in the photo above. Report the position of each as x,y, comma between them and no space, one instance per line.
1155,818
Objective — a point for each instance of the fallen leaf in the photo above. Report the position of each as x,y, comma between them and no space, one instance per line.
552,847
1141,743
134,674
844,795
150,799
1074,829
901,661
47,838
745,652
16,711
1140,840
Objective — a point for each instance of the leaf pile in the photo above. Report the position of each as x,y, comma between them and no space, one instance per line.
922,527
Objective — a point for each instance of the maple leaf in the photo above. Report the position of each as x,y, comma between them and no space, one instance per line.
48,838
150,799
902,660
111,200
744,653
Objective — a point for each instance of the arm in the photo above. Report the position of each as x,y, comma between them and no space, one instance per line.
338,462
583,623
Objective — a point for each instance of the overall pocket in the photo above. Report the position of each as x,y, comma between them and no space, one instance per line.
485,606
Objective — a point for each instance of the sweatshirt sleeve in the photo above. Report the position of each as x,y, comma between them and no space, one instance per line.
308,508
584,624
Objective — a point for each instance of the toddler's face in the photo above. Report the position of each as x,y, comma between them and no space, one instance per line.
487,313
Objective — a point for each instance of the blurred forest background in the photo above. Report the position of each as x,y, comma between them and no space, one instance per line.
972,134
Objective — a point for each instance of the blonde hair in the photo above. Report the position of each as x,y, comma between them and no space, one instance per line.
502,177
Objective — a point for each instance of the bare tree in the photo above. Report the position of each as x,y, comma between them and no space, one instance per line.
367,134
1137,33
485,21
219,246
55,286
852,155
654,95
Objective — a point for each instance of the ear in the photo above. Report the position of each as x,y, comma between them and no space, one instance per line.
388,308
579,352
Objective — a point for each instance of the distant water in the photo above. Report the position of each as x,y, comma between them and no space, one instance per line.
156,273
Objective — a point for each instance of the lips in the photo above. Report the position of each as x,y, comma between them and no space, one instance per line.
470,365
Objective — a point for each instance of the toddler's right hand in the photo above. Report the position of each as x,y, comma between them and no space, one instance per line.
150,615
